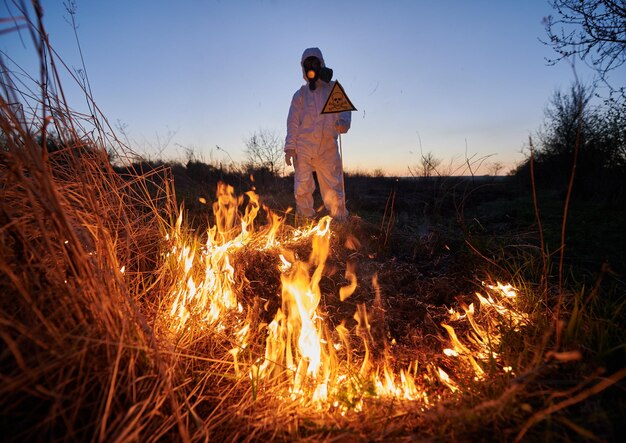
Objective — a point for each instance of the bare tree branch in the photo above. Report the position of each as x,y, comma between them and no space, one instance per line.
593,30
264,149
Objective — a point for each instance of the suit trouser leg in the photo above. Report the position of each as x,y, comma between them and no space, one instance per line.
328,168
304,186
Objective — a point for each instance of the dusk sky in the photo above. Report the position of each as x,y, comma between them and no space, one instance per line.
461,78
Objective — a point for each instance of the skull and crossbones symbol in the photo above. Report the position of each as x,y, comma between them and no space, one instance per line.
336,100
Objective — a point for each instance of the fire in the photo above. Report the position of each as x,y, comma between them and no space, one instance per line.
303,348
323,366
483,340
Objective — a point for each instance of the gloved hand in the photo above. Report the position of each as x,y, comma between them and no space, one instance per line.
290,156
341,126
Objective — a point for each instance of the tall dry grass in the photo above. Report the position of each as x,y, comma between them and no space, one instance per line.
78,242
78,348
85,353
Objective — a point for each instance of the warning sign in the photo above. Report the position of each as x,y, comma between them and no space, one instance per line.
337,101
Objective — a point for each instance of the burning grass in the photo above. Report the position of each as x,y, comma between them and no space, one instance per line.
119,321
122,323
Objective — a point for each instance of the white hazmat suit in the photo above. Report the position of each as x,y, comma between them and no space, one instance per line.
312,145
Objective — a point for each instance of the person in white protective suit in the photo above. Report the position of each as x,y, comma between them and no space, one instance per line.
311,143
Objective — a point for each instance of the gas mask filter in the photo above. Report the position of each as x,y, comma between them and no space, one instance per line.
314,70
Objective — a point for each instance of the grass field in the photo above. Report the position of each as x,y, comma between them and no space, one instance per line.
147,323
170,302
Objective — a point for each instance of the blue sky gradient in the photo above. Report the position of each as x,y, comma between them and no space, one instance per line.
454,78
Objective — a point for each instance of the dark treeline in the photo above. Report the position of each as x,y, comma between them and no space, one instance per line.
588,141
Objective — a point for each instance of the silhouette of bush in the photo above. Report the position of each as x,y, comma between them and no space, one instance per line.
592,137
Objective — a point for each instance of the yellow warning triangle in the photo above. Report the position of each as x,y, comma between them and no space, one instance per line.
337,101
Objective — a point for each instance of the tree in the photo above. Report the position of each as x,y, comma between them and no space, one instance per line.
265,149
568,119
593,137
427,166
495,168
593,30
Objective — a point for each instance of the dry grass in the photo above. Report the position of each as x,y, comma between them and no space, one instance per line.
88,351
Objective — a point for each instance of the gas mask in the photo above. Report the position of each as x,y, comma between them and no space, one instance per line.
314,70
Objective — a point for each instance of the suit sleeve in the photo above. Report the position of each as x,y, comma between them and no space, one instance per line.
294,120
346,117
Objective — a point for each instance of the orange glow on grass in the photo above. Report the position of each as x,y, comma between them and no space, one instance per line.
319,365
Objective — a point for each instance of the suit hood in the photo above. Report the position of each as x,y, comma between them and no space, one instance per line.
311,52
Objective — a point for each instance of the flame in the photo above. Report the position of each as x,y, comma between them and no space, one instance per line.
225,210
319,365
298,322
445,378
483,340
347,291
209,289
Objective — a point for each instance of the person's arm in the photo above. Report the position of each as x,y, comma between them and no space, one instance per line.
342,124
293,128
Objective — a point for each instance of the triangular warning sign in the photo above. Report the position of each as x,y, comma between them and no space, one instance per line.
337,101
